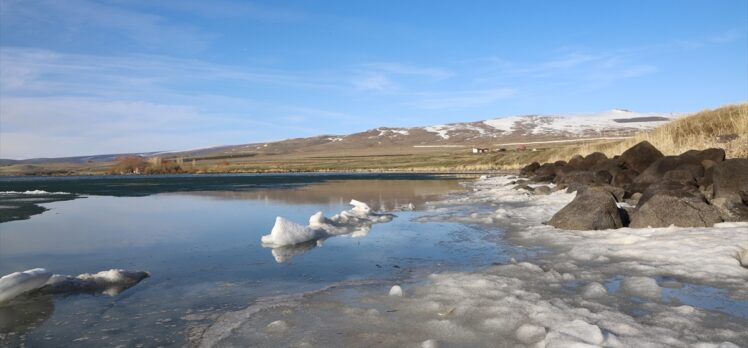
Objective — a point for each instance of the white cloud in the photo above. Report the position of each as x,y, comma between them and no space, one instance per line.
464,99
408,69
374,82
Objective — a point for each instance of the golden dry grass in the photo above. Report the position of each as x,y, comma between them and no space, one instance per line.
699,131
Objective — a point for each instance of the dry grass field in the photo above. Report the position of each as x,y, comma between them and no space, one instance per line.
725,127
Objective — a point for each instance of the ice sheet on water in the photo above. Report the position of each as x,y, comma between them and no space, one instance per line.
110,282
516,304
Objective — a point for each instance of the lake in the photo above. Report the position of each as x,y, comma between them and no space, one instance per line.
199,237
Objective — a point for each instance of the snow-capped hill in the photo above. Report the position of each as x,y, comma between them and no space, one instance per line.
616,122
529,128
486,133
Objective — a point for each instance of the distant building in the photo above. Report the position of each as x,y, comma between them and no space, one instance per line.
480,150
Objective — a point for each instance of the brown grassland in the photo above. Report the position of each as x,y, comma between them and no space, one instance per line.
725,127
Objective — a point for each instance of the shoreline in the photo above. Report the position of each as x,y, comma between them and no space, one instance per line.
568,295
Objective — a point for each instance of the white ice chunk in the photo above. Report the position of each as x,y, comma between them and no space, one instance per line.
529,334
396,291
641,286
286,232
430,344
277,327
356,222
584,331
743,257
17,283
594,290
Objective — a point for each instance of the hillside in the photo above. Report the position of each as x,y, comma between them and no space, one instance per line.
431,148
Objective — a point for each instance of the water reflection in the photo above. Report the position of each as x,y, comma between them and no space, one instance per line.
25,314
380,195
286,253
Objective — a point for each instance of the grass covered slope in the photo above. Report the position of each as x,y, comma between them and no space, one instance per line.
725,127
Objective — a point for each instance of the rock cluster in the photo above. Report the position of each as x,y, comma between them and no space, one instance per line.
642,187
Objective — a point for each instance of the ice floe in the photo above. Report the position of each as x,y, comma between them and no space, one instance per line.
355,222
40,280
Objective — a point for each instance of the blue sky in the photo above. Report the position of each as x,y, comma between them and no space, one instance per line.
89,77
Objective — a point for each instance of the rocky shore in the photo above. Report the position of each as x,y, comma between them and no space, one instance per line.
644,188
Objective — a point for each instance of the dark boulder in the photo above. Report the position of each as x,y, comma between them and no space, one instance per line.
529,169
730,178
616,192
655,172
576,161
546,169
730,189
592,160
680,175
543,178
577,177
591,210
640,156
679,208
542,190
610,165
713,154
624,177
667,186
564,170
603,176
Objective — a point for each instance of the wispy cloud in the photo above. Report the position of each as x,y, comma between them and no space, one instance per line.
43,71
463,99
62,20
375,83
409,69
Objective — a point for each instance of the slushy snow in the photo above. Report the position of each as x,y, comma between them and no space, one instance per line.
561,298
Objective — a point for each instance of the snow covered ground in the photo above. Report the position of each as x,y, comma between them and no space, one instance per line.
664,287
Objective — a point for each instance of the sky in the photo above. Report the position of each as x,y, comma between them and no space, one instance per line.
81,77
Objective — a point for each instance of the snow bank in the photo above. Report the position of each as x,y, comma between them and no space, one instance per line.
704,254
357,221
18,283
110,282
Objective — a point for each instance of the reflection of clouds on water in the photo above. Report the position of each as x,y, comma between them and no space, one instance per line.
286,253
380,195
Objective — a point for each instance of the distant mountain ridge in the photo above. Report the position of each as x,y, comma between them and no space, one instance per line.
486,133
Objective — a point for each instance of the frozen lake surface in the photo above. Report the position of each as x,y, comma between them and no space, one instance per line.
475,264
200,240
